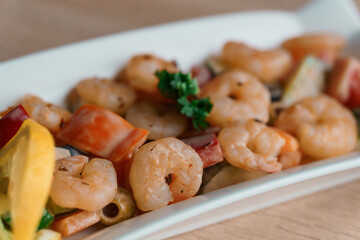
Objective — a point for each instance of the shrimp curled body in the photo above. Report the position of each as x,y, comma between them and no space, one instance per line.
92,191
325,46
117,97
252,146
159,120
140,72
165,171
268,65
236,96
49,115
323,126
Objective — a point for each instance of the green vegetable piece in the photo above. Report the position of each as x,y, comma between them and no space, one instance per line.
197,109
175,85
179,86
45,221
308,80
6,218
56,209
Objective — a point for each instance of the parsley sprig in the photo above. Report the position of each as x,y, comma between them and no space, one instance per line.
180,87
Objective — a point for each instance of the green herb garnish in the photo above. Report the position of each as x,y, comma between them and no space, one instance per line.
45,221
180,87
176,85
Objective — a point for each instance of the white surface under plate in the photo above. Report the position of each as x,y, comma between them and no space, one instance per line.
50,74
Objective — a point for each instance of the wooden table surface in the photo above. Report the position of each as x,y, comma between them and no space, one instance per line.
33,25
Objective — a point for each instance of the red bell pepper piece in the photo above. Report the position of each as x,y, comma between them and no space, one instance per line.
11,122
105,134
208,148
122,156
122,169
101,132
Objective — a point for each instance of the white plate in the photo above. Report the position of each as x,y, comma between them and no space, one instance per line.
50,74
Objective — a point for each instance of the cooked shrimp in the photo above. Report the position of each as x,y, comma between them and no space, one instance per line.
49,115
251,145
159,120
70,166
140,72
289,156
323,126
268,66
117,97
92,191
164,171
290,159
326,46
236,96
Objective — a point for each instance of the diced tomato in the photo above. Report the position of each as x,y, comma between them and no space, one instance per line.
102,132
11,122
201,73
344,83
208,148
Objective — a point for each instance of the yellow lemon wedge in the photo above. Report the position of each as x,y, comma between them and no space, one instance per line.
31,154
4,204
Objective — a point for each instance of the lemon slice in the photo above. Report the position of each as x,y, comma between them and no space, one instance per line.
4,204
31,154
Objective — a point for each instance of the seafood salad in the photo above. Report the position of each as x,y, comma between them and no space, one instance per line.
154,134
